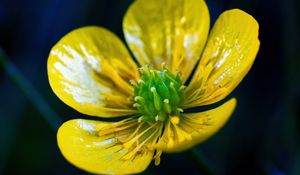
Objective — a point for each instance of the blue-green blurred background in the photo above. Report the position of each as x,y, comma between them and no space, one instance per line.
262,137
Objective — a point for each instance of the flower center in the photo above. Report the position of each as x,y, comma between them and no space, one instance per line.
158,94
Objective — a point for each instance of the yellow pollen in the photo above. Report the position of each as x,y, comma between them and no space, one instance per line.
175,120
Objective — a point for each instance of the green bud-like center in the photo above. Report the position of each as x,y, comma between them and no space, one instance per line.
158,94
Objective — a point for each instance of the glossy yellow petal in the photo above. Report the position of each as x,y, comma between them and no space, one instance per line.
229,54
170,31
81,144
89,69
195,128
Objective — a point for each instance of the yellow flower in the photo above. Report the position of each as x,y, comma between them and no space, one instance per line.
91,70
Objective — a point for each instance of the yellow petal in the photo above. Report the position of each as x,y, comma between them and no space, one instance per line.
229,54
81,145
195,128
167,31
89,69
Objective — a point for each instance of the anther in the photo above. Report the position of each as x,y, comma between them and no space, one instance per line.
136,105
140,119
173,87
166,101
132,82
156,118
182,87
138,98
153,89
180,109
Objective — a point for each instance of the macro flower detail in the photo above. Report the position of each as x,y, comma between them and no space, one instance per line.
91,70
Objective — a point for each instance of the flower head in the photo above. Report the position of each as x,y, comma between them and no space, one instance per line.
91,70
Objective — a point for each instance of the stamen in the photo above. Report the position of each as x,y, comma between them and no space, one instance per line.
157,157
182,87
136,105
133,152
139,98
140,119
169,135
141,81
181,134
133,137
132,82
133,134
180,109
111,128
129,143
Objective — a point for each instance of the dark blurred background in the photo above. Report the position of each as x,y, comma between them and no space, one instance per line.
262,137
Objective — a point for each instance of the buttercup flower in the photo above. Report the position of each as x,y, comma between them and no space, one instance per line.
91,70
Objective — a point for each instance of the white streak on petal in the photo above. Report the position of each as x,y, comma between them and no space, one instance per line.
223,59
86,126
79,74
106,142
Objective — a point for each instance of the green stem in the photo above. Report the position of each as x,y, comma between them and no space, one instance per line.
31,93
200,161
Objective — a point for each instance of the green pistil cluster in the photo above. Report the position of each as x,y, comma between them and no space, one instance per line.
158,94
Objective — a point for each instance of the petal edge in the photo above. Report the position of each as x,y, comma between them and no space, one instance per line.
195,128
167,31
229,54
81,146
89,69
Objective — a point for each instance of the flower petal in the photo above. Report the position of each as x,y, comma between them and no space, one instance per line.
229,54
80,144
195,128
167,31
89,69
